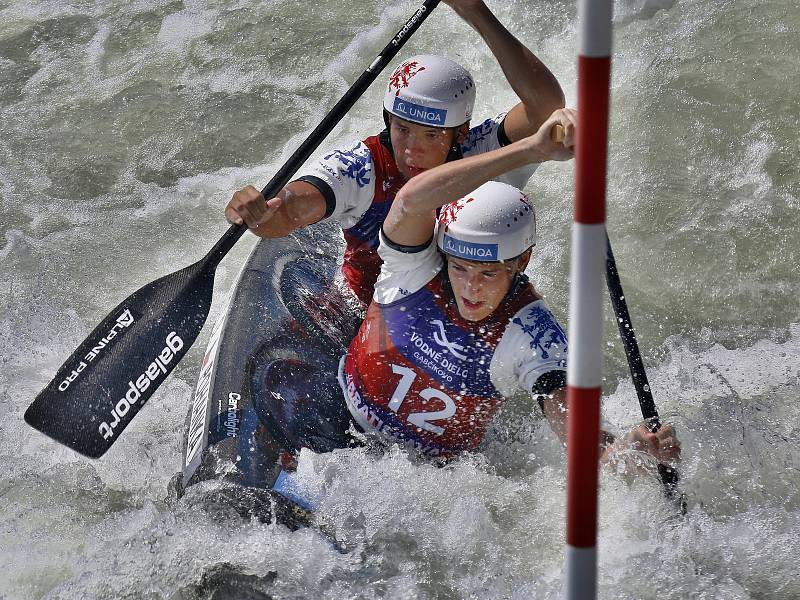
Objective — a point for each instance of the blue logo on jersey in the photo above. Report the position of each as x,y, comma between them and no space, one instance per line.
415,112
353,164
477,134
456,358
470,250
546,334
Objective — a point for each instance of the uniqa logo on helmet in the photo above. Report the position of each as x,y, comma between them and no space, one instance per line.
469,250
415,112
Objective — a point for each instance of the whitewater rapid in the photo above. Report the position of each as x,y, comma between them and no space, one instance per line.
125,127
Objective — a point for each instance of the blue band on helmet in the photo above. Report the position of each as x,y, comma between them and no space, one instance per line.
469,250
415,112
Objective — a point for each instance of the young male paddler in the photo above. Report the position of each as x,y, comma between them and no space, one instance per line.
455,327
427,106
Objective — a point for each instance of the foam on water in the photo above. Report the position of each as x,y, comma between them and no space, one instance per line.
124,127
468,530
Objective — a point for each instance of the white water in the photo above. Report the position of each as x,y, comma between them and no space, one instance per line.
124,127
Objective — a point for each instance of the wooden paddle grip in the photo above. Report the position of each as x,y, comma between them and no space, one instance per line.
557,133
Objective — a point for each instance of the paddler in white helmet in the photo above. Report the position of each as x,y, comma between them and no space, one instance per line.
428,104
455,327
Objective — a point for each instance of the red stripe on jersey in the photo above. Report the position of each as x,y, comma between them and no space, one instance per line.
362,265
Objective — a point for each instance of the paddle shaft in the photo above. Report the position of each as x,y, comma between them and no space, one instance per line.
629,343
312,142
105,382
626,332
669,476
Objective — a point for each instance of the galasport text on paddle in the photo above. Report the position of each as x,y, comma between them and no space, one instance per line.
106,381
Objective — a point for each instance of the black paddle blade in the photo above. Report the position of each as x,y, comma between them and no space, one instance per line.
107,380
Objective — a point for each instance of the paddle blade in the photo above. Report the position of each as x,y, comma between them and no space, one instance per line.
107,380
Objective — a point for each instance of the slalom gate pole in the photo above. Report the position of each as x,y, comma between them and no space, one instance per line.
586,298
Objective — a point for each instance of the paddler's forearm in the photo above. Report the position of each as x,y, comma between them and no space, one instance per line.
529,77
554,407
280,225
450,181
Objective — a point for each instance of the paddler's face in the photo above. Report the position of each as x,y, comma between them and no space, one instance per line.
418,148
479,287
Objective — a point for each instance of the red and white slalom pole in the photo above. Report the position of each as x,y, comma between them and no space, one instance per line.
586,297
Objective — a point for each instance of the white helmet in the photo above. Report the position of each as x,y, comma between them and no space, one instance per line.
494,223
431,90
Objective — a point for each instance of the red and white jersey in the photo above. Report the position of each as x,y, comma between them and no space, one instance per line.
421,374
359,184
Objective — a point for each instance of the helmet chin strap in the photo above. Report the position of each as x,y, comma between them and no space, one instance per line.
388,122
519,278
455,152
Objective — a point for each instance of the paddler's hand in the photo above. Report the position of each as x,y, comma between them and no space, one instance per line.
663,444
640,450
555,139
249,206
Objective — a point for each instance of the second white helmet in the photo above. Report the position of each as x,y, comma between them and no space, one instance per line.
494,223
431,90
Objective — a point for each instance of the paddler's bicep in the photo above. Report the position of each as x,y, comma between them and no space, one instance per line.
522,121
407,229
346,180
305,203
